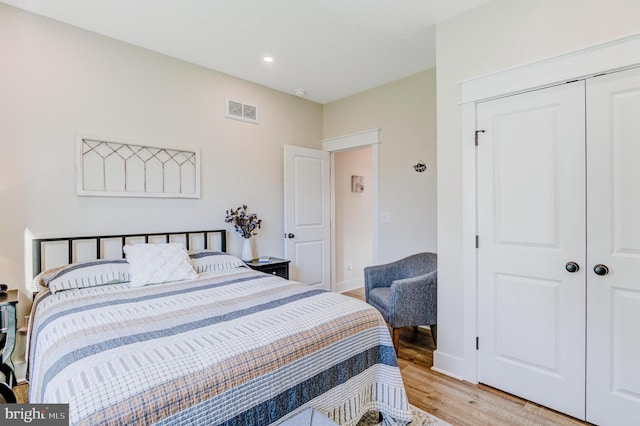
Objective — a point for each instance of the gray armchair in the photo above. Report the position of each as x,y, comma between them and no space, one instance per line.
405,292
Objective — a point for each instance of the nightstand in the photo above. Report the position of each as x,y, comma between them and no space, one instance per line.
8,302
275,266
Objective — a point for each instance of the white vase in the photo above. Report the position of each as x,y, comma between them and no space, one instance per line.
247,251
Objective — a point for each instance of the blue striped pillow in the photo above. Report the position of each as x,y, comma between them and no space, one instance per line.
87,274
211,261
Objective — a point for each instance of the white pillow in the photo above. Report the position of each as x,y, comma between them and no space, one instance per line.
209,261
158,263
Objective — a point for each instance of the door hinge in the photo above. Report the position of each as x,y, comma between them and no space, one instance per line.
477,241
477,132
477,343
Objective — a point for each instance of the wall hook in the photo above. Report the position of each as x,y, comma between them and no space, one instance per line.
420,167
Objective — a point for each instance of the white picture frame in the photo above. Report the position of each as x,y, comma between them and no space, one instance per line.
110,167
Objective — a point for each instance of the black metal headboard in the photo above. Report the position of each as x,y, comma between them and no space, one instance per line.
214,239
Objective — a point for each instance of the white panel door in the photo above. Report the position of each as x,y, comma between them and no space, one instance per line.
307,215
531,226
613,236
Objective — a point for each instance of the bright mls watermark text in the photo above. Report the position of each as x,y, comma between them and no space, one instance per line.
34,414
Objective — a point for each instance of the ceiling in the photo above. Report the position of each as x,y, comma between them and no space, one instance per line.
329,49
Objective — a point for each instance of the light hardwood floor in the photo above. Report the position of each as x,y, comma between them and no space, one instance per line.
458,402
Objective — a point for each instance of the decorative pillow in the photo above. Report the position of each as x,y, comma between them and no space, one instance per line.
158,263
83,274
209,261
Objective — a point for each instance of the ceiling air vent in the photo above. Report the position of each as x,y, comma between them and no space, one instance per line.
241,111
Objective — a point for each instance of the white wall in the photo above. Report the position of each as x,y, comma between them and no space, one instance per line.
353,218
498,35
404,111
57,80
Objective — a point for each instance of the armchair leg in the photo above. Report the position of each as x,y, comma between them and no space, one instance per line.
396,339
434,333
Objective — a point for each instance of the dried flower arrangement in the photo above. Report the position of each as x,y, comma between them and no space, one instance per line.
245,223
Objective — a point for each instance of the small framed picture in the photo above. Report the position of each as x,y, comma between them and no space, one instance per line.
357,183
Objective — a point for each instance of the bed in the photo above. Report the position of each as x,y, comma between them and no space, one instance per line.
227,345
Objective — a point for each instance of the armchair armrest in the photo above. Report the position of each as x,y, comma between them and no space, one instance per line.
414,300
379,276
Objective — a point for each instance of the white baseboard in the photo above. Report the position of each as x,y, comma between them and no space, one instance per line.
349,285
447,364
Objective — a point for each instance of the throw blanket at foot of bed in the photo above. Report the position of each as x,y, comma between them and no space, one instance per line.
236,347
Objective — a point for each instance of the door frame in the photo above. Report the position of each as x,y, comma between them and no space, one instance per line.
612,56
364,139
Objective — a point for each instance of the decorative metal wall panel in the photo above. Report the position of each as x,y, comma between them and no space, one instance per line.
122,169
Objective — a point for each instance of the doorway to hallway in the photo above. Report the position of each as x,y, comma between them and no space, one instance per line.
353,217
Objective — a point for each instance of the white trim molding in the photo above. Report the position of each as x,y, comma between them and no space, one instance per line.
615,55
353,140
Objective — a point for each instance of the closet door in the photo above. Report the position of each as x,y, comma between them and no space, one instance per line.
613,236
531,227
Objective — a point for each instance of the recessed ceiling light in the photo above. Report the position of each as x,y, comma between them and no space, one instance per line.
268,59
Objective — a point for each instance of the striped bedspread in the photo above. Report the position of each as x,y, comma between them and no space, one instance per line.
236,347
